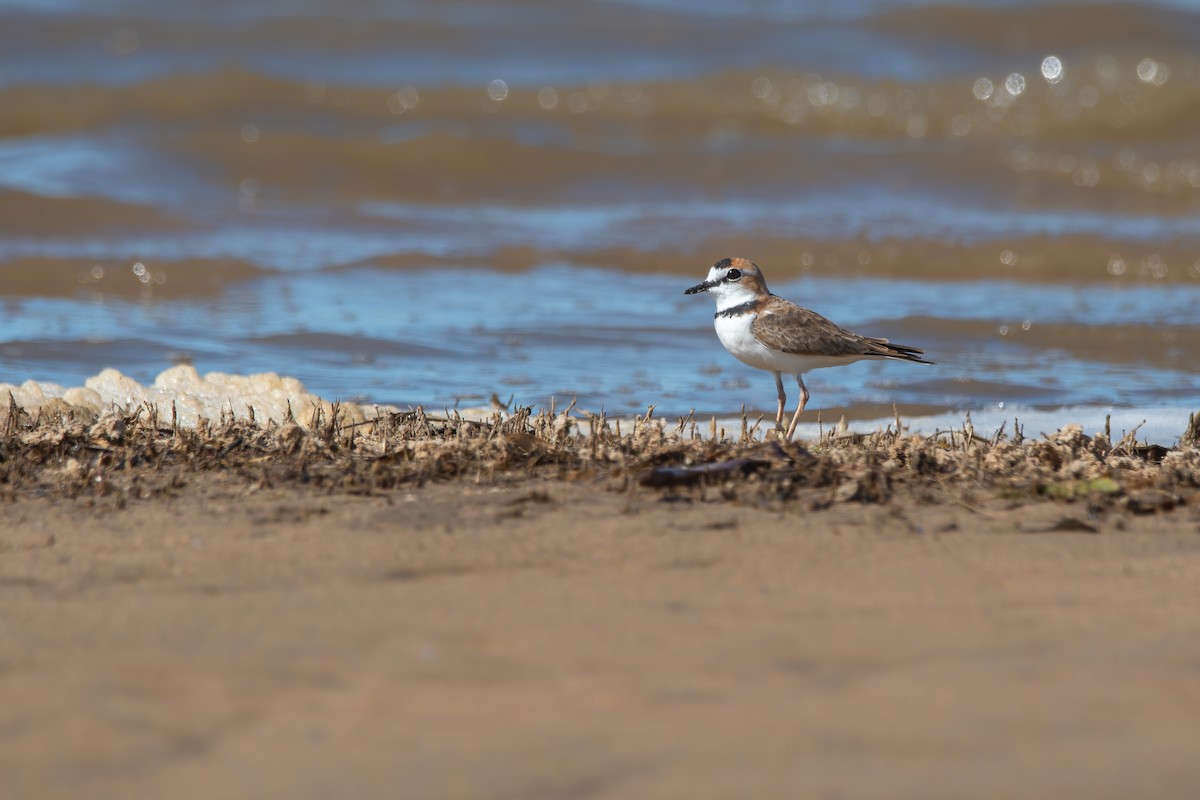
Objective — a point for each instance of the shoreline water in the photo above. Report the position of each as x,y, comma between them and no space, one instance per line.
262,199
182,395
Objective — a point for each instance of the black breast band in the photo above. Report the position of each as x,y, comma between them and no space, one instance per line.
737,311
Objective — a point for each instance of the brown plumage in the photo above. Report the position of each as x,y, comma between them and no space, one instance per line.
782,325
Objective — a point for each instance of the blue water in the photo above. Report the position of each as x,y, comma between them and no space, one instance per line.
438,337
527,227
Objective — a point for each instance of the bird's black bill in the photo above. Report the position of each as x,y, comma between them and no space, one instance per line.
700,287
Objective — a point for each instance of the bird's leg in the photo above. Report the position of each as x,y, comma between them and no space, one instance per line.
799,406
782,399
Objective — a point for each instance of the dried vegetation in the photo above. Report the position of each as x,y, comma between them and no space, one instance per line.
119,457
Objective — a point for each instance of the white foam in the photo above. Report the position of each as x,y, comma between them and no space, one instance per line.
193,396
1162,426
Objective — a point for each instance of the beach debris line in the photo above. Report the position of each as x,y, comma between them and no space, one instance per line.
120,456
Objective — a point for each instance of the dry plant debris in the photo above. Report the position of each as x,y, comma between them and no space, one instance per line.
124,456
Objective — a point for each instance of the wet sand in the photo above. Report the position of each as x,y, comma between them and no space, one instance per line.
559,641
272,626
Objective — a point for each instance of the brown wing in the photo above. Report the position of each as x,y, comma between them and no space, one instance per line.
785,326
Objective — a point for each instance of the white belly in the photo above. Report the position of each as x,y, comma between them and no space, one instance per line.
734,333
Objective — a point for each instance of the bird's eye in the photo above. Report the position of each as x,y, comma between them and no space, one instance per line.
733,274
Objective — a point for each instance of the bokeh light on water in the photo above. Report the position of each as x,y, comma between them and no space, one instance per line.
397,204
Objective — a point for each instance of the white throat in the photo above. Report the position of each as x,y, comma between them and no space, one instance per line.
731,295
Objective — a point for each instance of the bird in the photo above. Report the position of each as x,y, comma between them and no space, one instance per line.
768,332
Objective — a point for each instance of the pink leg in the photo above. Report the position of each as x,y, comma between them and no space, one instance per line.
799,406
782,400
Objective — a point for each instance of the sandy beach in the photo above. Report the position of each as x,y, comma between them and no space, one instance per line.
199,631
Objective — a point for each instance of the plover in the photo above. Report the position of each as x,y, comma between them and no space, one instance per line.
768,332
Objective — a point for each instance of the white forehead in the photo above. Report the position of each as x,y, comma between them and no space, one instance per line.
717,272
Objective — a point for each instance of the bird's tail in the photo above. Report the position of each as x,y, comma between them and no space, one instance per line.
901,352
